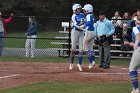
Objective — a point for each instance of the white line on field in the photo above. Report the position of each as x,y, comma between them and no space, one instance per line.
3,77
122,68
105,73
86,73
118,67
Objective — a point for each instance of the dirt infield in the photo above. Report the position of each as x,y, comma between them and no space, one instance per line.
14,74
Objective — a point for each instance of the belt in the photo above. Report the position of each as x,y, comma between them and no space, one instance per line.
103,36
78,29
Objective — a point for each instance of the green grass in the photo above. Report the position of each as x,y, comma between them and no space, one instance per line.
40,43
63,87
36,59
57,59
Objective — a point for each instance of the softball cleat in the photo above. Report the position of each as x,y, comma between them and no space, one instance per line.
135,91
91,65
79,67
71,66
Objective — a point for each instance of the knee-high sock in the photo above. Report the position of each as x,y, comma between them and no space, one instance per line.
80,57
72,56
134,78
90,58
93,55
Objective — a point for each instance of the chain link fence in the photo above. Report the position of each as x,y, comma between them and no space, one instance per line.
47,33
53,39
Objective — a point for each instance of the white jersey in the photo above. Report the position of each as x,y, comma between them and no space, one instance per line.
135,31
78,19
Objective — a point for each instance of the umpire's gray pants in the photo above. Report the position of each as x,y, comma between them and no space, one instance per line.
104,54
135,60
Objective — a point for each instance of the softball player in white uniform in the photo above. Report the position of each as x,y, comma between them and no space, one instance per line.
89,35
135,60
77,35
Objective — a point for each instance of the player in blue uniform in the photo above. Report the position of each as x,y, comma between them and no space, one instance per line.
135,60
89,34
77,35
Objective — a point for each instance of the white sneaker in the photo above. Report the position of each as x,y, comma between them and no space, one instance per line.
71,66
79,67
135,91
91,65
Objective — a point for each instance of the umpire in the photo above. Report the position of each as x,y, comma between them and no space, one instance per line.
104,29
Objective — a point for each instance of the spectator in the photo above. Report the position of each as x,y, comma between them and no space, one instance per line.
137,14
126,22
134,17
126,35
118,24
2,30
105,29
31,35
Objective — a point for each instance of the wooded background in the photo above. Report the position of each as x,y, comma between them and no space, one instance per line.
55,8
51,13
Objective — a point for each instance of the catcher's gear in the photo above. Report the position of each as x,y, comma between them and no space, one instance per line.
103,38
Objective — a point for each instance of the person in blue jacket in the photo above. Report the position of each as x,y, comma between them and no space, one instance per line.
31,37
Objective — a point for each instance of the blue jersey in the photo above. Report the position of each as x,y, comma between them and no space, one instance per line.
135,31
32,29
89,24
78,19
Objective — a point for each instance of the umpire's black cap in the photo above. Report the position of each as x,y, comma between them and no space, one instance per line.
101,13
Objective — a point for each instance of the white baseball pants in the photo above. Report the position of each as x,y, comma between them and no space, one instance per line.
77,37
135,60
88,40
30,45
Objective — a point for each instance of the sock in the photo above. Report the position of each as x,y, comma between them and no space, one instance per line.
89,56
93,55
72,57
72,60
80,58
134,78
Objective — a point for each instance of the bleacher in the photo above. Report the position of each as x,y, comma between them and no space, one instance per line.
63,52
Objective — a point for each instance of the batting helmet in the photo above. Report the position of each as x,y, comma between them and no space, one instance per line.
88,8
76,6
